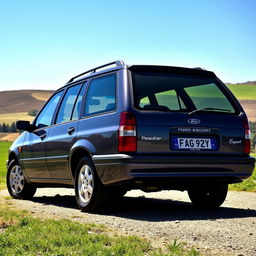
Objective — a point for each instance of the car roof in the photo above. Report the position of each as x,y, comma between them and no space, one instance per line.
119,64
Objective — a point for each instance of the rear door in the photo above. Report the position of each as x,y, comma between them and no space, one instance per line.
62,134
100,118
186,114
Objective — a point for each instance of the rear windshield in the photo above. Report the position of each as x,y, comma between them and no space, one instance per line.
176,92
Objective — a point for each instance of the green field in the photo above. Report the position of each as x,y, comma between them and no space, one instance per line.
3,157
243,91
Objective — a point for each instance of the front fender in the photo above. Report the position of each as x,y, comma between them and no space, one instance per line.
13,155
13,150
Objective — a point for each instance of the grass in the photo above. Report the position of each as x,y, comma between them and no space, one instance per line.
13,117
22,234
243,91
4,146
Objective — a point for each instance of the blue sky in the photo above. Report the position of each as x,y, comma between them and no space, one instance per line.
44,43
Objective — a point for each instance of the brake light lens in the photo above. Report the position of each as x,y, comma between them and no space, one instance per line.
127,139
247,136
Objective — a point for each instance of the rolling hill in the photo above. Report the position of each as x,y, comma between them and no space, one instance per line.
22,100
15,105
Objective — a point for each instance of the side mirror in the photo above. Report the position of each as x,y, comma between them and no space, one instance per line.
25,126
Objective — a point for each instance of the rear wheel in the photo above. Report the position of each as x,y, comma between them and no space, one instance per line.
16,183
89,190
212,196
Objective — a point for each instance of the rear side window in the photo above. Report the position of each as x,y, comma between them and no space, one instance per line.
179,92
46,115
101,95
67,105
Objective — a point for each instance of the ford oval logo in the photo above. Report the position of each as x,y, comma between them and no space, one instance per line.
194,121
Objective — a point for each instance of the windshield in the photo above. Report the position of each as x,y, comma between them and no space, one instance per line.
178,92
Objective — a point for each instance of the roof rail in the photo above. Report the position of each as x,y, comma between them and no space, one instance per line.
117,63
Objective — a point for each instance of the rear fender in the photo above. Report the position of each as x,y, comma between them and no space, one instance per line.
79,149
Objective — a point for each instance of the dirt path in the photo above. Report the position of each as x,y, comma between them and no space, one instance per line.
163,217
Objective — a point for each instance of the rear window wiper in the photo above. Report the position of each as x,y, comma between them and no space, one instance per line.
209,109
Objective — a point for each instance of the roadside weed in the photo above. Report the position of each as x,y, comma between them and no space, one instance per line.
4,146
21,234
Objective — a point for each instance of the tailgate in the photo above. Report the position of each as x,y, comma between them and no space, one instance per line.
186,111
181,133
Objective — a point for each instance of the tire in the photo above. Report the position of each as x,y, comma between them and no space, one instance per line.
208,197
89,190
16,183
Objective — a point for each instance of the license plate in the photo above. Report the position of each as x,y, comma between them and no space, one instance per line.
194,143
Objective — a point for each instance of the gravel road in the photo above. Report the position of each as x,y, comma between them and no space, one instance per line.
162,217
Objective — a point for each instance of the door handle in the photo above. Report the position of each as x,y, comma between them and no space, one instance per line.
42,136
71,130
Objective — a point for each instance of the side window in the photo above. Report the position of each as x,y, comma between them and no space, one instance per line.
45,117
67,105
101,95
144,101
78,104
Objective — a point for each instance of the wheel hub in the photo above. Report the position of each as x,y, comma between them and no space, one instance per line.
16,179
85,184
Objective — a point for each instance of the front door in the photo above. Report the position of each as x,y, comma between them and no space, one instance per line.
34,154
34,149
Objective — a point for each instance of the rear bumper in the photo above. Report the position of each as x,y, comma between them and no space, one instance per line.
118,168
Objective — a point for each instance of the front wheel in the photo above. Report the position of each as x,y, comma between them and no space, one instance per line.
89,190
16,183
212,196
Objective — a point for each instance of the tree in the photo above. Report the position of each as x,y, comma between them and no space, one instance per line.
33,112
4,127
13,127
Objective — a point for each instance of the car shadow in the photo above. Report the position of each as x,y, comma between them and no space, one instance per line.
154,210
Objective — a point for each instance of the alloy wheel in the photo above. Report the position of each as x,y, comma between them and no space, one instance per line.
85,184
16,179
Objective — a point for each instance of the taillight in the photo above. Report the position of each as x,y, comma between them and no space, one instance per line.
247,136
127,139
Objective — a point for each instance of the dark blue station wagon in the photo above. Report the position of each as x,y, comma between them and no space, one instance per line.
117,127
